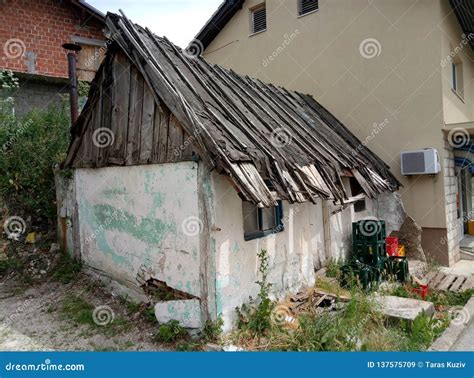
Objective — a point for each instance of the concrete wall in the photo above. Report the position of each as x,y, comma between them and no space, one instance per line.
393,98
455,45
37,94
141,217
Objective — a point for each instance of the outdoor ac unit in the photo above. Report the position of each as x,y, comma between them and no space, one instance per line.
420,162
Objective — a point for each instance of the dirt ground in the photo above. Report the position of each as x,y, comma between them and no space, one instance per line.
36,318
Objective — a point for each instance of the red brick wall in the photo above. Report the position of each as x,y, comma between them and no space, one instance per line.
41,27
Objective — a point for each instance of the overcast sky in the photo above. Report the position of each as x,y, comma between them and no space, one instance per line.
179,20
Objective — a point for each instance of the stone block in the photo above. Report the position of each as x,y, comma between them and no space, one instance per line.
404,308
186,312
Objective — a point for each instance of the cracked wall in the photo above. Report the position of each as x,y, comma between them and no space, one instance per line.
291,252
135,217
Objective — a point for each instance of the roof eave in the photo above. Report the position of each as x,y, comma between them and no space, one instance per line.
218,20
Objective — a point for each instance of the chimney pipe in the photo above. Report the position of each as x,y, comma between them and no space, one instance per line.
71,49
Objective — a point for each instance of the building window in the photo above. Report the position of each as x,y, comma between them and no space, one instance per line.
258,19
356,189
457,72
260,222
307,6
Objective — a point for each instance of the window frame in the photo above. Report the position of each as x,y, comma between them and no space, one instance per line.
457,78
299,6
279,226
252,18
361,205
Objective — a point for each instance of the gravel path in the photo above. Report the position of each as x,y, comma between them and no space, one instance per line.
30,320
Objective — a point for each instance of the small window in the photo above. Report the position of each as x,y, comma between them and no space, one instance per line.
260,222
258,19
356,189
307,6
458,85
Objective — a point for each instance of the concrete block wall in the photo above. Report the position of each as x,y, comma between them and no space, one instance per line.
454,225
39,95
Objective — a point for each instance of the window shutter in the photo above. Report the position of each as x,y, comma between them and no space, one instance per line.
308,6
259,20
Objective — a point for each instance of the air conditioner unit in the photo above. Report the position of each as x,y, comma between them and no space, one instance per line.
420,162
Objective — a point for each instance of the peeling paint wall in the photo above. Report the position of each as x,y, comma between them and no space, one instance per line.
291,252
138,216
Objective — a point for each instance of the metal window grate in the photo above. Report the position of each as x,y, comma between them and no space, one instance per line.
259,19
307,6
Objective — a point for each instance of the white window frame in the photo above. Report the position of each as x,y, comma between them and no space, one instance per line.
457,78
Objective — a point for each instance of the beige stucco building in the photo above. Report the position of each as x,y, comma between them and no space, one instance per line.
399,74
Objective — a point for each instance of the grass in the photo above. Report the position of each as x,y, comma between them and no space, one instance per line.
359,325
67,270
80,312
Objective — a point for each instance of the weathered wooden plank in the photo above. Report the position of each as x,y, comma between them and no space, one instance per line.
188,146
162,146
446,282
458,283
147,127
429,277
135,117
106,106
437,280
175,140
119,122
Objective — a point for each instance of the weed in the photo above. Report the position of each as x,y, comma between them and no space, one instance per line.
258,319
171,331
333,268
68,269
212,330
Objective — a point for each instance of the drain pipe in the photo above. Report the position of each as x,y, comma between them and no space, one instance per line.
72,49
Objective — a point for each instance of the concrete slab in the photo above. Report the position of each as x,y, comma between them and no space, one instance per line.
467,243
459,336
186,312
462,268
404,308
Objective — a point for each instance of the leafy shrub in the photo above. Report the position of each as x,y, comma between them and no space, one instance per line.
30,147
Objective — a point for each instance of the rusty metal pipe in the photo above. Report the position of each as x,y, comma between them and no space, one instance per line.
72,73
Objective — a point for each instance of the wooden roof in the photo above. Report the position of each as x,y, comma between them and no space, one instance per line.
252,131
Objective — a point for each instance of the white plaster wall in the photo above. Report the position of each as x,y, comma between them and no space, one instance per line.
341,229
133,216
291,252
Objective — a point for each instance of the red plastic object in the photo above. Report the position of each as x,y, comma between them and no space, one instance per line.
422,291
392,245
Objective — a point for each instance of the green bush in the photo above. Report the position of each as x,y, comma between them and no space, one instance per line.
30,147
